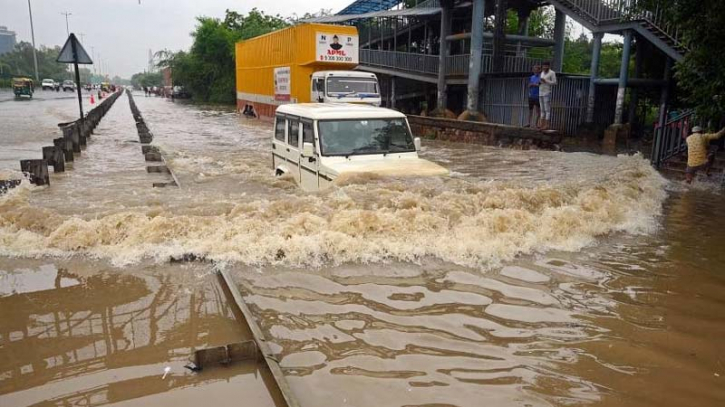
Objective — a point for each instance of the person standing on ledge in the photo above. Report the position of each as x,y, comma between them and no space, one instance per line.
547,80
533,91
698,156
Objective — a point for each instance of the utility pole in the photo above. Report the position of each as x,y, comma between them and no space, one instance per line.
66,14
32,35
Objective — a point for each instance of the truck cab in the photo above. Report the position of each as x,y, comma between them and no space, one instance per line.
345,87
316,143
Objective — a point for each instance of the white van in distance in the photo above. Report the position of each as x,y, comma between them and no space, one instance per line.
345,87
316,143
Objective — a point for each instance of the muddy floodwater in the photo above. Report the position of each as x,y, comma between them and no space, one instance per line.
526,278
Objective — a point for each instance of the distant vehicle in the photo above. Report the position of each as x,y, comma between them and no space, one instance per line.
105,86
48,84
345,86
23,87
180,93
88,87
315,143
321,69
69,86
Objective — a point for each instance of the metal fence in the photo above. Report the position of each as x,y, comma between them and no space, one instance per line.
505,101
670,139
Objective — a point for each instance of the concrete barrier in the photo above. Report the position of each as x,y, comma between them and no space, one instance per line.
54,156
36,171
66,146
151,153
75,137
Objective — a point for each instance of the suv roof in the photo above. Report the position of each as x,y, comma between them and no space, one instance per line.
339,111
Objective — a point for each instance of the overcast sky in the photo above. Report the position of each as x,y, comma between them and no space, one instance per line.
122,31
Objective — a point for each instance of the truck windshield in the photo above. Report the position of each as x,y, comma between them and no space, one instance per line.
339,86
365,136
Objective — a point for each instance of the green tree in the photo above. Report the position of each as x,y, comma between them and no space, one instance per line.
19,62
700,75
208,69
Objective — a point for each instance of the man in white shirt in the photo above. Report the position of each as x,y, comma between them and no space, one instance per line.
548,79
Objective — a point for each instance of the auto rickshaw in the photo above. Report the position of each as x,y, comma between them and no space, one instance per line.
105,86
23,87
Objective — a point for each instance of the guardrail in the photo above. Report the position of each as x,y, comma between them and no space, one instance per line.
64,149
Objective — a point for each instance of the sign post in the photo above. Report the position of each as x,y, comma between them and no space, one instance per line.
73,53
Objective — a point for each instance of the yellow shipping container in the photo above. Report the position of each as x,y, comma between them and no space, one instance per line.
275,68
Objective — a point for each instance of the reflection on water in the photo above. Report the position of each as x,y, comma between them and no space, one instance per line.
69,339
526,278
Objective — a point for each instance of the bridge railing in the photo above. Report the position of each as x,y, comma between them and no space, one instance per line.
456,65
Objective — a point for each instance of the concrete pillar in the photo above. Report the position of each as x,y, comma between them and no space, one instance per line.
559,34
623,76
593,74
499,36
392,92
634,99
662,119
443,54
474,65
523,31
426,40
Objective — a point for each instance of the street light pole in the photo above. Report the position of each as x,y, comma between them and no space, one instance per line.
66,14
32,35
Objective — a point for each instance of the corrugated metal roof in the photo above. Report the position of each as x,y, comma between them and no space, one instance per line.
387,13
367,6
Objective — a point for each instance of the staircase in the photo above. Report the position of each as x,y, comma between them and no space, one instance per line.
618,15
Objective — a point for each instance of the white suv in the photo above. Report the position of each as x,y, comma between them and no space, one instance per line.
48,84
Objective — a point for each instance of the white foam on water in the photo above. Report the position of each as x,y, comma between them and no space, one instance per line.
471,223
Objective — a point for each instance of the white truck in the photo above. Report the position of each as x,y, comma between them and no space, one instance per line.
315,143
345,87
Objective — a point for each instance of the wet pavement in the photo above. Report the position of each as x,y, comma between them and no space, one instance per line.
527,278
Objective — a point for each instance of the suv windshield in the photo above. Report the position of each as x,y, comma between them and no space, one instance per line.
364,136
339,86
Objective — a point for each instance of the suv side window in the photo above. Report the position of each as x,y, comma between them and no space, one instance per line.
279,129
308,133
293,133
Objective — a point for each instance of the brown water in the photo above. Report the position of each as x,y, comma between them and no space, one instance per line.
527,278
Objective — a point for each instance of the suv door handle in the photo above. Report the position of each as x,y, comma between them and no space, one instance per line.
288,150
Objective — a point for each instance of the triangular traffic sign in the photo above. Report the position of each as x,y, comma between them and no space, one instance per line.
73,52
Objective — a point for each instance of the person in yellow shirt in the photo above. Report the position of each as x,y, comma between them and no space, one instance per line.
698,156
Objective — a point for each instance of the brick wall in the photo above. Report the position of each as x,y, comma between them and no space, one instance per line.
490,134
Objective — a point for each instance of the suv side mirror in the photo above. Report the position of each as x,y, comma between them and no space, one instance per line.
416,142
308,149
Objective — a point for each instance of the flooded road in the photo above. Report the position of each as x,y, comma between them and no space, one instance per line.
527,278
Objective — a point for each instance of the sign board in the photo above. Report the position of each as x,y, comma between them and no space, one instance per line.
282,84
337,48
73,52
